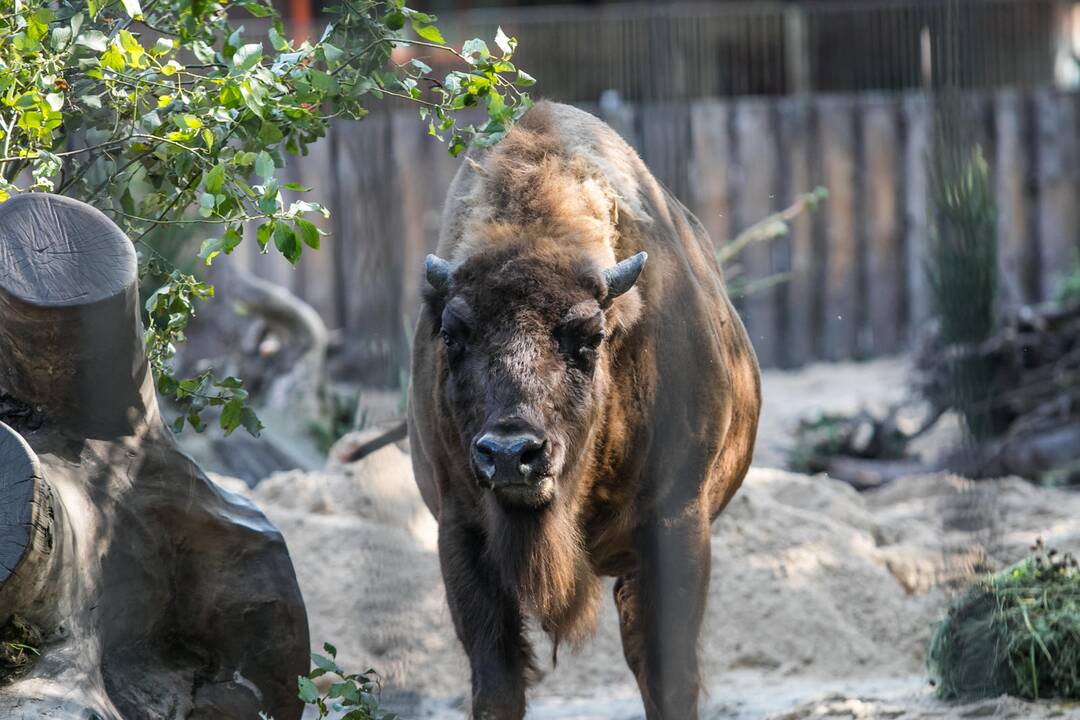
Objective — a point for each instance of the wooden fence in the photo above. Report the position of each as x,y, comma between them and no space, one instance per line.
856,287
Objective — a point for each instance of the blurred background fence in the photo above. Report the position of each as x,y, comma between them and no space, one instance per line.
855,287
739,107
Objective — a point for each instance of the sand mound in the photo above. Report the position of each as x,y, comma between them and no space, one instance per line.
813,584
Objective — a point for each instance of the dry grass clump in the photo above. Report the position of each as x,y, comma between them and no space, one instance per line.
1015,632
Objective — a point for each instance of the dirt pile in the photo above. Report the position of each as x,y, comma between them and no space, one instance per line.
813,585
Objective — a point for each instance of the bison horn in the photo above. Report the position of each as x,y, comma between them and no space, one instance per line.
622,276
438,273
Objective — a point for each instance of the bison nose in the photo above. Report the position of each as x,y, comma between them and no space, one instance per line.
508,459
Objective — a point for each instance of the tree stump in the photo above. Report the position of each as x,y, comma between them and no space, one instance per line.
155,594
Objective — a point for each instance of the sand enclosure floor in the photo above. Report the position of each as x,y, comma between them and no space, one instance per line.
821,602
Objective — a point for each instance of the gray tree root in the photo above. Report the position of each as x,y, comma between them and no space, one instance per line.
155,594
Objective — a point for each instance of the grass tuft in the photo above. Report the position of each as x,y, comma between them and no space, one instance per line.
1015,632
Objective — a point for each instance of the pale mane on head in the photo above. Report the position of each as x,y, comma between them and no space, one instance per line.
536,182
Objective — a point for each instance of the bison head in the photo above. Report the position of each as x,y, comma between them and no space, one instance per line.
524,338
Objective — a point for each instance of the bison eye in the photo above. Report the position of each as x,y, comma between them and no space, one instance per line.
449,340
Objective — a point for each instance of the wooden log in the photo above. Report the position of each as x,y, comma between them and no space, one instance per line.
884,243
837,138
159,594
757,152
70,342
33,546
1059,188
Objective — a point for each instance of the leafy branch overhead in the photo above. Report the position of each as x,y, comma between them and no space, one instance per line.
169,114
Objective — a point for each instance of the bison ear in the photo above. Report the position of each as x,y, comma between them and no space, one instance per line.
438,273
622,276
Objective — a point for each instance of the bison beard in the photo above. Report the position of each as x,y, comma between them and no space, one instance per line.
540,558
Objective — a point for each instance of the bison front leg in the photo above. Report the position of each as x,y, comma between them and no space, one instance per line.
661,608
489,625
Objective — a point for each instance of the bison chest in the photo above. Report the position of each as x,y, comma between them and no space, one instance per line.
609,522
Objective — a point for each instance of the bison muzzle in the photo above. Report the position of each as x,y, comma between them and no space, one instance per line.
584,403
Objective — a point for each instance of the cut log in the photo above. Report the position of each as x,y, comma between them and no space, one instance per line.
155,593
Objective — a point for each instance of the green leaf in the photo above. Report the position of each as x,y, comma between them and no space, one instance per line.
308,692
506,44
278,42
262,235
248,56
477,47
231,416
133,8
287,243
55,101
215,179
524,79
264,164
162,46
308,233
93,39
324,81
330,649
326,663
258,9
113,58
187,121
332,54
428,32
251,422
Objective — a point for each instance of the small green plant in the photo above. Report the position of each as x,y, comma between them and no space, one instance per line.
1015,632
19,641
355,694
774,226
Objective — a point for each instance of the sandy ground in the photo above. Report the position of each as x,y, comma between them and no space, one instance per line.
821,603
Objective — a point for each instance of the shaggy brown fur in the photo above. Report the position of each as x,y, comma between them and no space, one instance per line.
646,403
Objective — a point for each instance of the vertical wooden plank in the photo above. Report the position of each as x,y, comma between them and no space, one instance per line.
802,289
757,157
836,130
1016,249
316,268
412,159
375,228
710,167
917,124
1059,165
884,244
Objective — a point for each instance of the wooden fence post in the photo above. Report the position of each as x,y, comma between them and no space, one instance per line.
802,290
884,244
917,110
837,137
1017,249
1059,189
756,151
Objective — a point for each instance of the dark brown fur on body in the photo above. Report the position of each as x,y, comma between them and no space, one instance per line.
646,406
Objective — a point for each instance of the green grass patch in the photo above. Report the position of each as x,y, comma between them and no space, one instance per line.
1015,632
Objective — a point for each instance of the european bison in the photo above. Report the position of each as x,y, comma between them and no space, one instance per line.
584,403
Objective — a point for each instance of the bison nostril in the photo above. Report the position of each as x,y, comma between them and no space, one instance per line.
530,458
484,458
